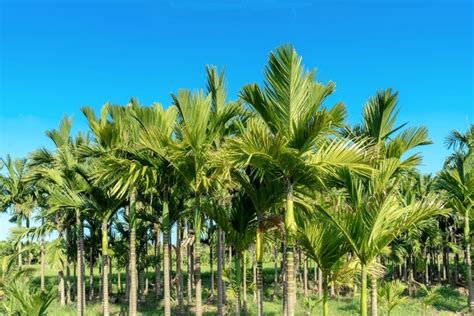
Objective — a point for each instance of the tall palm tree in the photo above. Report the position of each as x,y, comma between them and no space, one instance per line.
288,137
457,180
115,133
61,169
204,120
389,144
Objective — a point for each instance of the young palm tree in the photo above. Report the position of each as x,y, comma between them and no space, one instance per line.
326,245
373,218
290,127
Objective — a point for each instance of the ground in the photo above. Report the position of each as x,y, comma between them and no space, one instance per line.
450,302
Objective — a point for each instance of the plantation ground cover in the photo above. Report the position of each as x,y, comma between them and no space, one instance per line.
450,301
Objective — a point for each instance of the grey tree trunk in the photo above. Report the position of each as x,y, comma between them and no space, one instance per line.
42,288
373,295
132,303
158,262
91,275
220,265
179,272
62,297
81,293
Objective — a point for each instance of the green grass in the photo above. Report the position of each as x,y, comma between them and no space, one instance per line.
449,302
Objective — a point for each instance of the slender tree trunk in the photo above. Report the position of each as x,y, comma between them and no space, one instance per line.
20,259
325,294
220,266
80,266
290,226
158,262
244,282
211,266
166,256
259,250
275,273
42,287
91,274
467,245
238,281
190,265
68,284
132,304
363,291
284,277
179,273
456,269
254,278
305,276
373,295
105,268
62,297
320,282
197,259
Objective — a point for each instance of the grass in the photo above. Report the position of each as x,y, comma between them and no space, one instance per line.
450,301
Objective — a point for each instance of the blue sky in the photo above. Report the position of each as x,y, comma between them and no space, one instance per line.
56,56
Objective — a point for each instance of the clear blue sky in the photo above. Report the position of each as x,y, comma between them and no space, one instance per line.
57,56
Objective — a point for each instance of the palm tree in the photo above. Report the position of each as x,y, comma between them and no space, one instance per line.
204,121
325,244
457,180
379,130
16,193
290,127
61,170
374,216
264,193
114,138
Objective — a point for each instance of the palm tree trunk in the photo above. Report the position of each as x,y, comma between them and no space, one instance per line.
158,262
211,266
373,295
467,245
325,294
305,276
254,273
179,273
290,226
81,293
275,272
68,284
244,282
220,265
363,290
91,274
62,296
132,303
189,264
42,287
259,247
166,255
320,282
197,266
105,268
20,259
238,281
